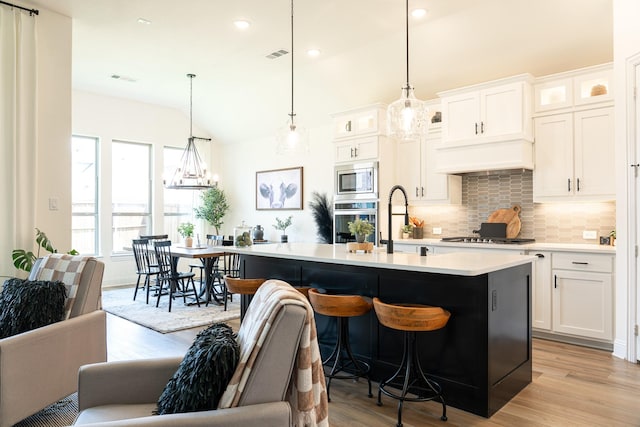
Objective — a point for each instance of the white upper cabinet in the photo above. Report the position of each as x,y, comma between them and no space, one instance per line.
416,166
575,156
484,114
369,120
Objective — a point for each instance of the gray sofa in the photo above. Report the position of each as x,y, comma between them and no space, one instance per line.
40,367
125,393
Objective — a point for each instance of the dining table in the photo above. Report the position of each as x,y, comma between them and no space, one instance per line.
208,255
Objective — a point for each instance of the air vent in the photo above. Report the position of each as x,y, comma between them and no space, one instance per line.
277,54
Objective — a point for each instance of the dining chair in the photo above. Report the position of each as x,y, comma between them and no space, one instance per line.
212,240
177,283
152,238
144,267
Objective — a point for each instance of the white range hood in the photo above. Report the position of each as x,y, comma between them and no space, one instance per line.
487,127
487,156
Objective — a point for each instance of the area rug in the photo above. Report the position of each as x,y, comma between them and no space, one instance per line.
62,413
120,303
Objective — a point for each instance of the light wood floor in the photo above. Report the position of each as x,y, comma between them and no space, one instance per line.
572,386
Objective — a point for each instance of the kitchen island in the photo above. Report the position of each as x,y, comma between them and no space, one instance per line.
482,358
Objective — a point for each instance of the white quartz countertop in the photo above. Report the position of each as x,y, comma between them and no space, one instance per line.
462,264
536,246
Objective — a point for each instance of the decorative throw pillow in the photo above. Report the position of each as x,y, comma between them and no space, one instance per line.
27,305
204,373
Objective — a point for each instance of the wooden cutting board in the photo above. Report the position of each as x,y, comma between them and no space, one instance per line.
510,217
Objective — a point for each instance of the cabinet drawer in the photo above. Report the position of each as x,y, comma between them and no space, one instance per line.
582,262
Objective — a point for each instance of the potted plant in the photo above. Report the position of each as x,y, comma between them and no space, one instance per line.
24,260
361,228
282,226
407,231
214,207
186,230
612,237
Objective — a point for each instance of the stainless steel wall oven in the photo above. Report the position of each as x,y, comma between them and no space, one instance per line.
345,211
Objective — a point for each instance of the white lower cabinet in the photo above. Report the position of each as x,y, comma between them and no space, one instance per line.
541,291
572,297
582,295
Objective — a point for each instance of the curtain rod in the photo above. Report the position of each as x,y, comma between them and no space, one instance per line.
31,11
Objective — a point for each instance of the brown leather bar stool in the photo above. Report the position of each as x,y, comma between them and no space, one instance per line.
342,307
248,287
411,318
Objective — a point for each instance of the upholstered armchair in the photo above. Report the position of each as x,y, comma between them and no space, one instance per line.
40,367
125,393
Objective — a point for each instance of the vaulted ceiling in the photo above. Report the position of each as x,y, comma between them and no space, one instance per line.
240,94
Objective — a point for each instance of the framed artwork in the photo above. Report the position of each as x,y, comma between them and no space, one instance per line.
279,189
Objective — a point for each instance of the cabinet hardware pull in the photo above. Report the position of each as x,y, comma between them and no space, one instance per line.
569,184
347,126
555,281
422,189
578,184
416,191
635,165
355,150
481,127
540,255
351,152
476,128
579,263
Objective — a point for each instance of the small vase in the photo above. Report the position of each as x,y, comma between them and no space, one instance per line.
405,235
284,238
418,233
360,238
188,242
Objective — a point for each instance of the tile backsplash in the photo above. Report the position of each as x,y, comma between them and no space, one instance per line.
546,222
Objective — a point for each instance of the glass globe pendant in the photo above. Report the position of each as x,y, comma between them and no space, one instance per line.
407,117
292,138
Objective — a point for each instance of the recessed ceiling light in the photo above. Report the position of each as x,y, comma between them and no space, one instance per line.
418,13
241,24
313,52
144,21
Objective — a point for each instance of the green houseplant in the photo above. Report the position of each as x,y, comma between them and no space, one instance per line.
407,230
282,226
214,207
186,230
361,228
23,259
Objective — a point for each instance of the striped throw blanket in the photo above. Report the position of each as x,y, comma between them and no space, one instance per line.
307,392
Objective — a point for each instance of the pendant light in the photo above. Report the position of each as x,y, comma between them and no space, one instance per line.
406,117
192,173
292,138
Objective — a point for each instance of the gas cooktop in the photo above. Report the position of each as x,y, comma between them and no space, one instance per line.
496,240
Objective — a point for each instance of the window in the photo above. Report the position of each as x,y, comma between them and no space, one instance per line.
178,204
130,192
84,195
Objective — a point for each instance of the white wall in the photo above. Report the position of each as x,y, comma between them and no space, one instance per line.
626,44
109,119
239,164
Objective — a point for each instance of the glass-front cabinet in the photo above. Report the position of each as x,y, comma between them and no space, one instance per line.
573,89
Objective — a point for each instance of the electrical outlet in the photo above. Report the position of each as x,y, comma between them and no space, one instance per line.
437,230
589,234
53,203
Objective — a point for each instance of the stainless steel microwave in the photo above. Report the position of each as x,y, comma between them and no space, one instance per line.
357,181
